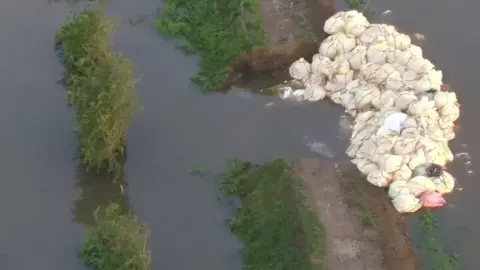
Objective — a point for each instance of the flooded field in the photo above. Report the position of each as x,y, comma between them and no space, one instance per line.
46,201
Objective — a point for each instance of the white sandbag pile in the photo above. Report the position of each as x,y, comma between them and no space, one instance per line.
403,120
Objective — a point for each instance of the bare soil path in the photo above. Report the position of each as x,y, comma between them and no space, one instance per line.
352,243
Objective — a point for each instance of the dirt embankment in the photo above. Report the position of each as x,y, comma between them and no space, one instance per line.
363,230
293,29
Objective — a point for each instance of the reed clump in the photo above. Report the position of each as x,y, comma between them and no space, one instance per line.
101,87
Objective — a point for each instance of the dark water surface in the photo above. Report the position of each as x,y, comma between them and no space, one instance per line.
451,42
44,200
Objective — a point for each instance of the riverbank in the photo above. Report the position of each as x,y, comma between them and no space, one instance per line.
346,224
245,41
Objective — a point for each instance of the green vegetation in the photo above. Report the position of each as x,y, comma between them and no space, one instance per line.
219,30
197,171
436,256
360,5
278,228
116,242
101,87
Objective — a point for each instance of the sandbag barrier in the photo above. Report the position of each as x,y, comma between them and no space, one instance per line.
403,118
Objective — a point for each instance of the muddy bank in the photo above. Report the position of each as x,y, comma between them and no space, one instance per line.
293,29
363,231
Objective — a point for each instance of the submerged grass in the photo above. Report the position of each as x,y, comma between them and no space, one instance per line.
116,242
101,87
438,258
220,31
277,226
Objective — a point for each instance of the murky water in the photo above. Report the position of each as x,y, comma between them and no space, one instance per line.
45,201
452,44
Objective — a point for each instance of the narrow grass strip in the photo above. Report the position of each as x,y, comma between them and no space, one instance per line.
220,31
116,242
101,87
437,257
277,226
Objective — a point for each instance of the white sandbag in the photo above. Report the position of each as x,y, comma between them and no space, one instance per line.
365,166
397,188
364,116
341,80
400,68
336,97
352,150
427,143
357,57
394,122
316,79
377,53
386,142
328,48
449,134
404,100
335,23
300,69
320,64
399,41
314,92
369,72
378,178
435,156
411,133
423,84
420,65
447,183
347,100
356,25
420,106
337,44
403,174
402,57
436,78
362,134
390,163
331,88
419,184
450,112
411,122
437,136
370,35
394,81
445,151
364,95
367,150
452,97
387,99
405,146
415,51
409,79
406,203
441,99
417,158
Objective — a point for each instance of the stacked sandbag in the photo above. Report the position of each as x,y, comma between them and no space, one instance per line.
403,120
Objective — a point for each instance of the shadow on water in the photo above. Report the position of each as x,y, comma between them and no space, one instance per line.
98,189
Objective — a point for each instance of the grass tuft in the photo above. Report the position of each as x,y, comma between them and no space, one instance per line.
220,31
101,87
277,226
116,242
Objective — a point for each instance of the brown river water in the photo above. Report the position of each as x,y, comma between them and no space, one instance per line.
45,201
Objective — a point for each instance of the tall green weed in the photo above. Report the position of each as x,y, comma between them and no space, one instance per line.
101,87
